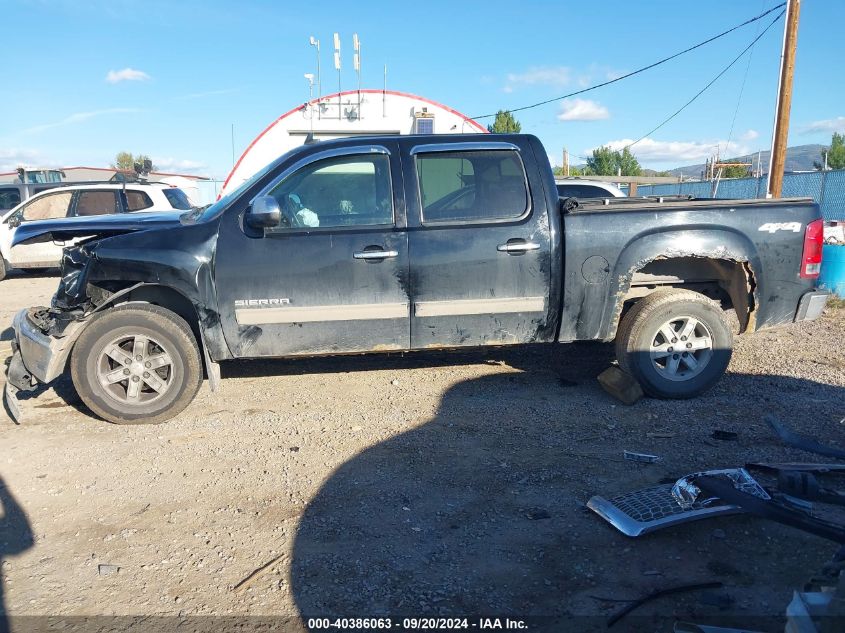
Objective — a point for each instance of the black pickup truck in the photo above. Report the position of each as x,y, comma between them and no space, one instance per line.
409,243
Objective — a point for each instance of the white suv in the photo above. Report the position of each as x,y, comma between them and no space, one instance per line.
75,201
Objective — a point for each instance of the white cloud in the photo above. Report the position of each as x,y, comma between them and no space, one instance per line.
77,117
176,165
677,151
750,135
556,76
127,74
826,125
582,110
11,159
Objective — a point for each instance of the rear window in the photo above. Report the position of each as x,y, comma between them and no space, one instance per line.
96,203
177,199
472,186
9,198
582,191
137,201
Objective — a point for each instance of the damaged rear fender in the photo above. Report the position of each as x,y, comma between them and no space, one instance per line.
706,243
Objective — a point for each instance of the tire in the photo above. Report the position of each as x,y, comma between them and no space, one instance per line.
166,378
647,350
3,268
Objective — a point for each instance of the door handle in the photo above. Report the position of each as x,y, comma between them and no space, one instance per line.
517,246
375,254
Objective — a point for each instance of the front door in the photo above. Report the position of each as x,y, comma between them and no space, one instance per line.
333,277
480,246
41,252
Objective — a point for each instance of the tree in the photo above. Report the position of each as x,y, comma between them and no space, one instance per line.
835,153
608,162
504,124
573,171
126,161
739,171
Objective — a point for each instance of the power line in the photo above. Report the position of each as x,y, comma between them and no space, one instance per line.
711,82
640,70
741,91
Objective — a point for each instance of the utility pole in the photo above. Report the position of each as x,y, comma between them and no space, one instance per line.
565,162
784,102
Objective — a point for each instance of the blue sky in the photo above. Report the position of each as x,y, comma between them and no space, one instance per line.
86,79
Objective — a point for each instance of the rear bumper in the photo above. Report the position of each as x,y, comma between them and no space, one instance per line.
811,305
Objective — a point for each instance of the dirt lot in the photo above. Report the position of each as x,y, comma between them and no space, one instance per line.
416,485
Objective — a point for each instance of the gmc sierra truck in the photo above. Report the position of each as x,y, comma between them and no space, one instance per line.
409,243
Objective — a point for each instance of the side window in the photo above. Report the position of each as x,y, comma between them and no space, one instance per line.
472,186
48,207
96,203
177,198
137,201
582,191
9,198
342,191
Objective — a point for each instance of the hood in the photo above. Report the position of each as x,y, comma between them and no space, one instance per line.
94,225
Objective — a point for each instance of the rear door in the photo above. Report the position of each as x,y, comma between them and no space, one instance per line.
333,278
479,243
43,252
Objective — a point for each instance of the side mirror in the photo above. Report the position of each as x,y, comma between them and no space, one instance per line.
15,221
264,213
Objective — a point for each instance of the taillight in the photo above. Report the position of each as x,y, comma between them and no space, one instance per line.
811,259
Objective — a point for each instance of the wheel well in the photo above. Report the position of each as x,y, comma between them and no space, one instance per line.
728,281
170,299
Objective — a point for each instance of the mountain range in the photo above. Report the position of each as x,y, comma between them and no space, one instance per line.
798,158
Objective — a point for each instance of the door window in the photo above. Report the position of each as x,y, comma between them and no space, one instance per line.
9,198
96,203
472,186
48,207
137,201
336,192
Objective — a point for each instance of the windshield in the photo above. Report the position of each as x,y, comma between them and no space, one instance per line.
202,214
177,199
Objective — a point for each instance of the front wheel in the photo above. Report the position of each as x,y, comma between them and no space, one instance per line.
136,364
676,343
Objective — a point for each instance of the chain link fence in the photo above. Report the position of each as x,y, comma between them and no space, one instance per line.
825,187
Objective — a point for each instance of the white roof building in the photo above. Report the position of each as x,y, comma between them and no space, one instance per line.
351,113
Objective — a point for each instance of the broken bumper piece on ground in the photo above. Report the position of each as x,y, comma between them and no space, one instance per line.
644,511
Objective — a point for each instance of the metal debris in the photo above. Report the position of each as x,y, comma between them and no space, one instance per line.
641,457
796,440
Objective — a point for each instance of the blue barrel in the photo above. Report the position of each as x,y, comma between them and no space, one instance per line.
832,274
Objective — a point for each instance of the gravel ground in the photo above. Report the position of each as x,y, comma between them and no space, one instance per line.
411,485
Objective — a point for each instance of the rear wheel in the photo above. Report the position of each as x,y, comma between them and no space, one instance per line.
136,364
676,343
3,268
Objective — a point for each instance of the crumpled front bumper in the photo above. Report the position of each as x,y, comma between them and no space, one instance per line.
37,357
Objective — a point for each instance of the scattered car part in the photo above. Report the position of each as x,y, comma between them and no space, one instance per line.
806,486
668,591
727,491
686,493
650,509
818,469
641,457
796,440
727,436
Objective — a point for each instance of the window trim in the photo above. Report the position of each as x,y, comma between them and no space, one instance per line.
338,152
472,147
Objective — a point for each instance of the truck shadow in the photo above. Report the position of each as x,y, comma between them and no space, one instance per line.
15,537
481,509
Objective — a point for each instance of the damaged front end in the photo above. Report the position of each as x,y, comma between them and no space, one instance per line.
44,336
